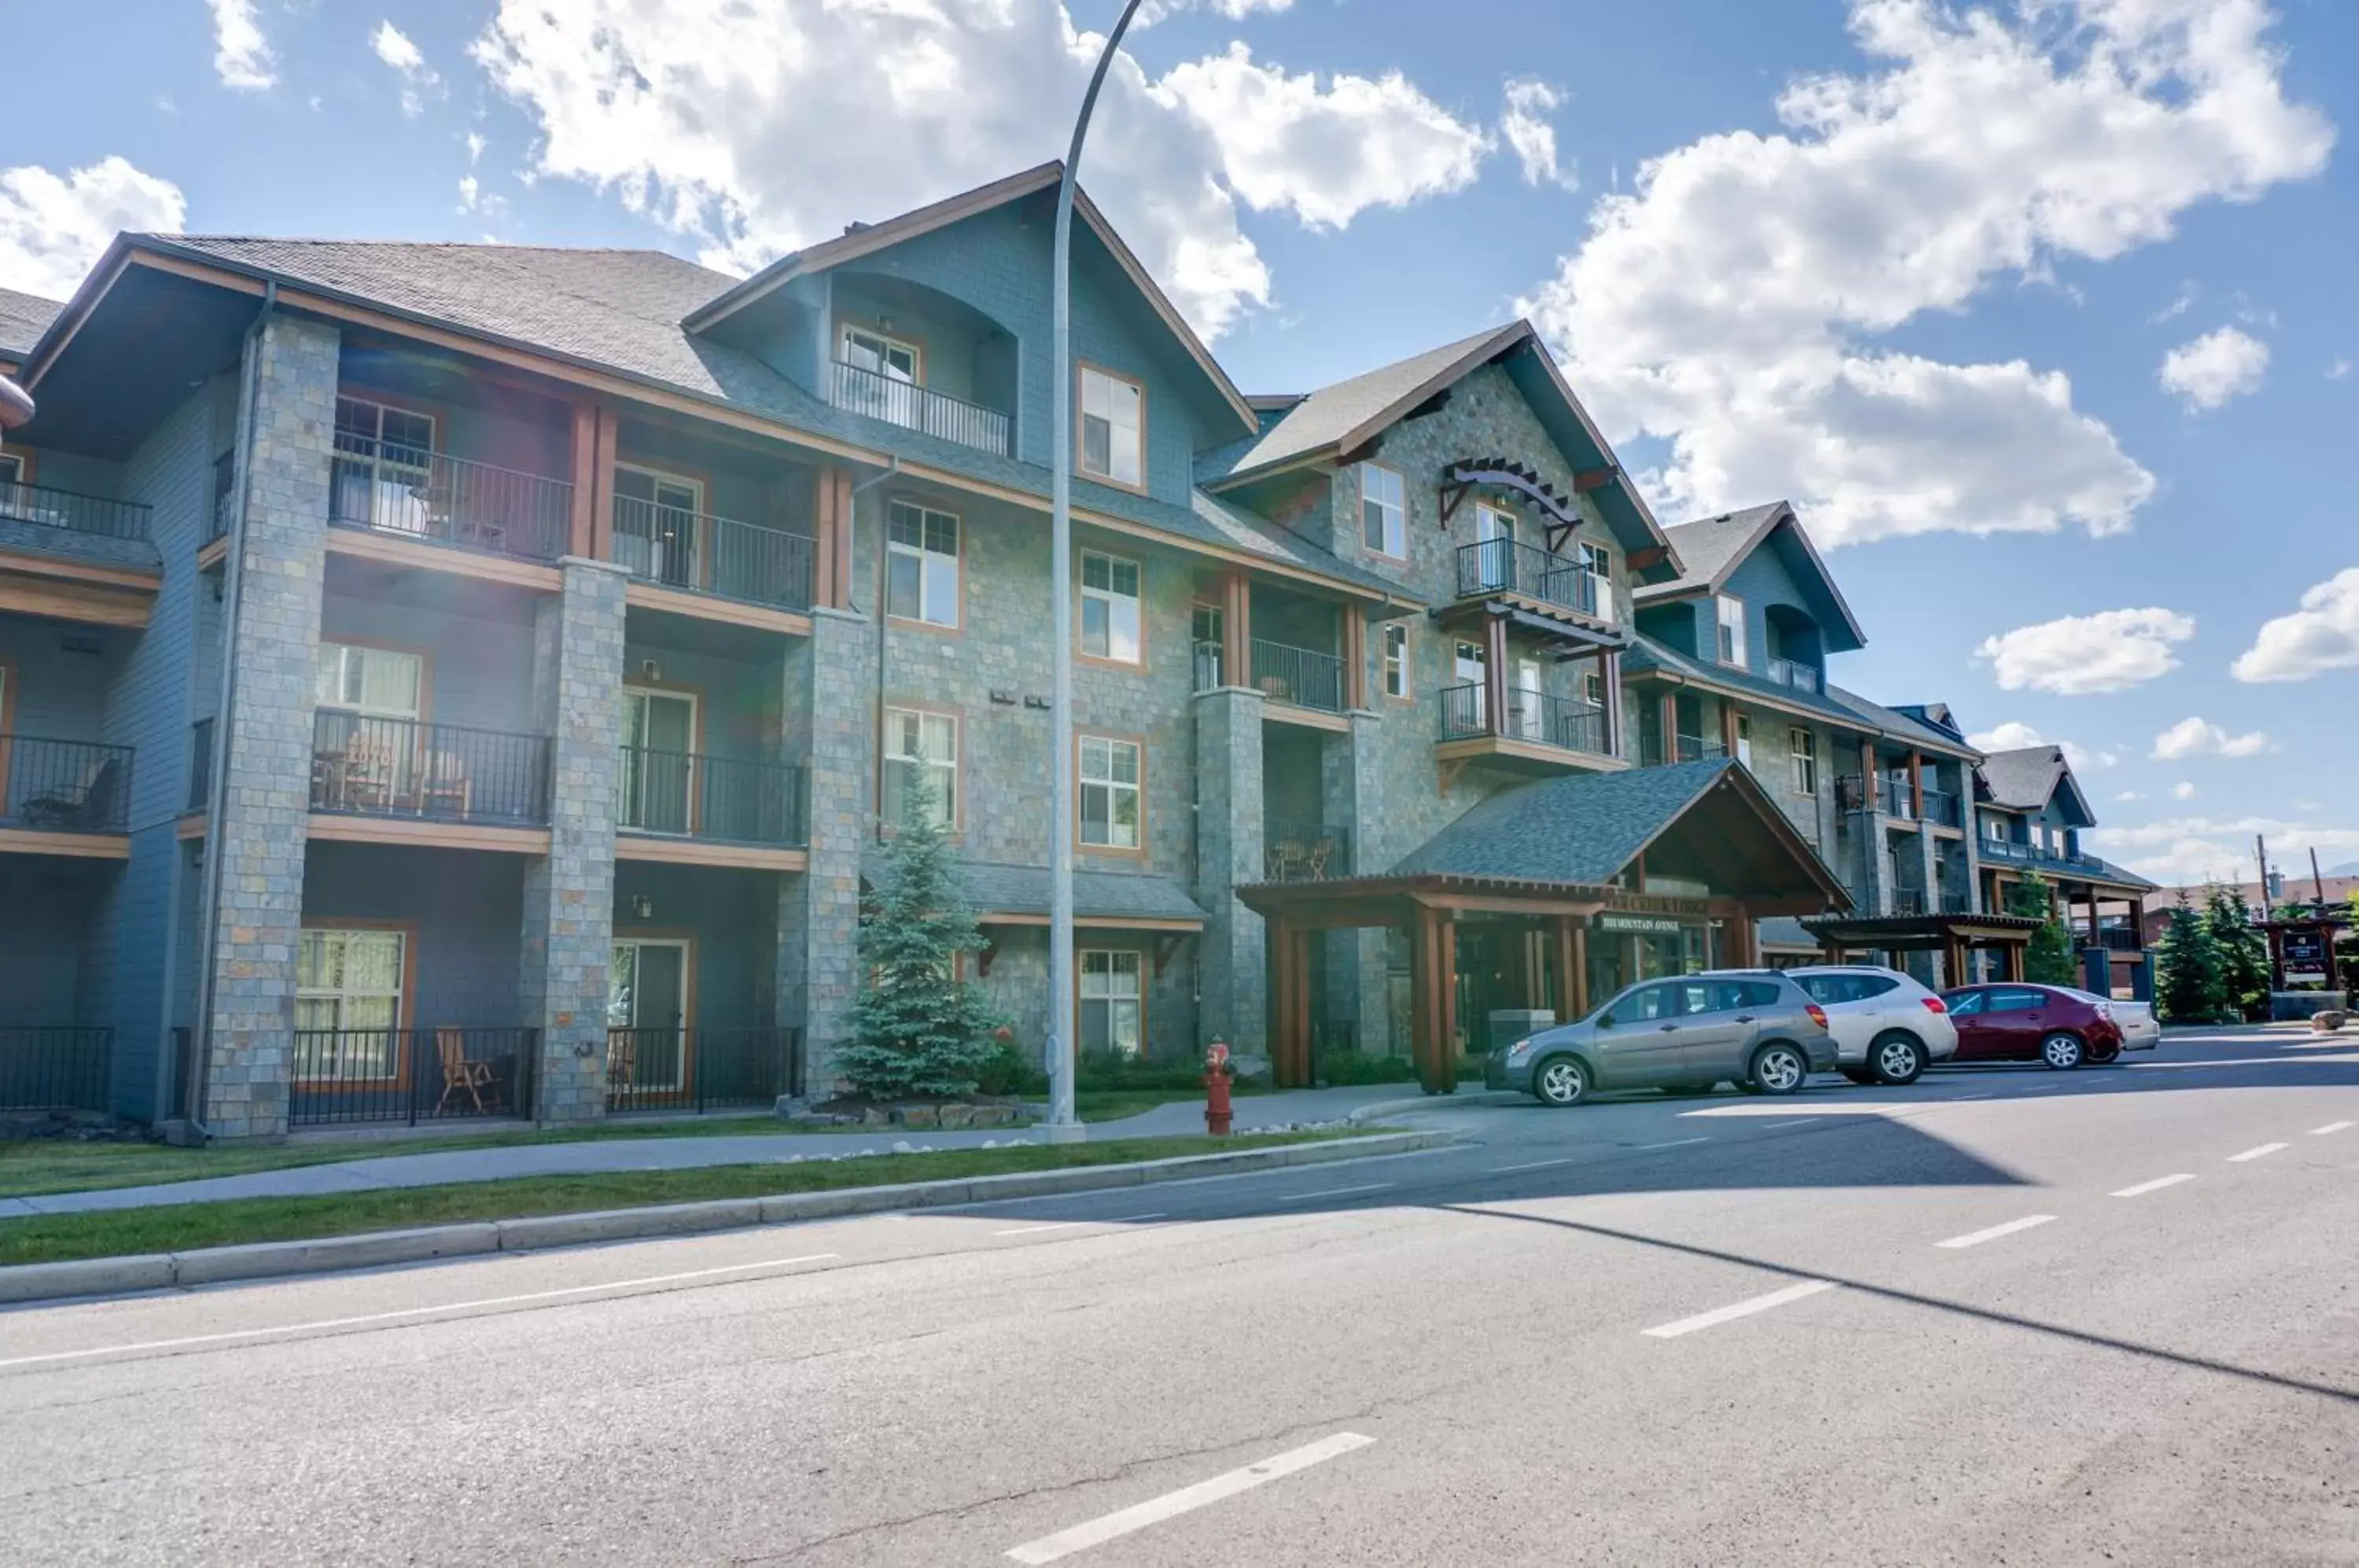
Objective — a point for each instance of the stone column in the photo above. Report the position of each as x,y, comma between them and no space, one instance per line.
1357,988
1228,856
569,895
843,753
258,921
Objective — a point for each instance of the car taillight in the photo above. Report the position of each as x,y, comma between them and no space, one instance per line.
1818,1014
1934,1004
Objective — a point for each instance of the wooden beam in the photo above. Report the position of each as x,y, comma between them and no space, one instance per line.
1355,658
602,483
1589,479
1609,668
1237,629
582,533
1916,786
846,530
1494,674
1650,557
1446,941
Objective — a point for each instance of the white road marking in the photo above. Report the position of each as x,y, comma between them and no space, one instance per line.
1133,1219
320,1324
1528,1165
2330,1127
2156,1185
1741,1310
1976,1237
1675,1143
1984,1095
1332,1192
1798,1121
1155,1510
2255,1153
1054,1225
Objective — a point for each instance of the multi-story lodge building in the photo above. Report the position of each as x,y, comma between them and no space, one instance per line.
445,679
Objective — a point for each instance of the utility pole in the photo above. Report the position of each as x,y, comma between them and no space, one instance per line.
1063,1126
2261,848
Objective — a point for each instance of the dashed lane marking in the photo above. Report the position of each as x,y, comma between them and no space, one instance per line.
1155,1510
1744,1309
2255,1153
1976,1237
2156,1185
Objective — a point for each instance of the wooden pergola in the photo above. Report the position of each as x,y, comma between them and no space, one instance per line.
1951,935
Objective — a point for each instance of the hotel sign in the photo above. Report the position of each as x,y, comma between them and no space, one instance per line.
1620,924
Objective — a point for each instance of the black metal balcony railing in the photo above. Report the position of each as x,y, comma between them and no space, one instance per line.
1943,809
201,764
1909,901
1305,852
1302,676
1892,797
1695,748
55,1068
400,767
692,796
2118,939
65,786
1511,566
1529,717
427,494
348,1076
858,390
72,511
1789,672
720,556
2035,854
1207,659
701,1069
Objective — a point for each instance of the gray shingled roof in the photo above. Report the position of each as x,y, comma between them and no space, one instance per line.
1331,413
1708,546
2022,780
621,310
1900,725
1581,828
995,887
23,319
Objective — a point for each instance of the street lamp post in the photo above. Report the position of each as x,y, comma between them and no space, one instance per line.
1063,1017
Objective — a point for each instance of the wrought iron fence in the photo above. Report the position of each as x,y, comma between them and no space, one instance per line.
65,1067
1943,809
695,796
1511,566
400,767
350,1076
66,786
72,511
1696,748
720,555
1554,721
201,764
1306,852
1892,798
1302,676
428,495
1792,672
859,390
698,1070
1463,712
1208,659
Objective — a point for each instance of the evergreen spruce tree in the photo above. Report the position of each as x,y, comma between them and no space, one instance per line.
2048,959
916,1028
2243,952
2191,984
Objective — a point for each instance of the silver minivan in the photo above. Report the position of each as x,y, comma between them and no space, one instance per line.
1750,1027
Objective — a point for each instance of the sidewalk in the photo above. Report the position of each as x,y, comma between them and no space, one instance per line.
363,1174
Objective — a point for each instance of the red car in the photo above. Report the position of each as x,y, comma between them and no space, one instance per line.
2013,1022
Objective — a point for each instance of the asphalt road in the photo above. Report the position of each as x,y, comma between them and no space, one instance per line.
2003,1316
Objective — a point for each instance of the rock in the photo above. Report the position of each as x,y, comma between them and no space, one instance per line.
994,1115
921,1116
990,1143
2327,1020
1249,1066
876,1115
903,1148
958,1115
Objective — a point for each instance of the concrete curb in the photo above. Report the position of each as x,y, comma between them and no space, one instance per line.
274,1260
1360,1115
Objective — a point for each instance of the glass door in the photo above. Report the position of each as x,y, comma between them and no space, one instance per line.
647,1001
656,525
658,783
1467,716
1531,709
1495,530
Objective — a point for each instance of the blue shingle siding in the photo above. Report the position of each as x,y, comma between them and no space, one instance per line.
45,910
466,908
737,701
57,693
730,917
478,666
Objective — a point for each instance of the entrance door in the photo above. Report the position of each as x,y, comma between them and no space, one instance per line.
1531,711
658,768
646,1002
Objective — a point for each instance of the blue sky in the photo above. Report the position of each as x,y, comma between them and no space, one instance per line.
2041,315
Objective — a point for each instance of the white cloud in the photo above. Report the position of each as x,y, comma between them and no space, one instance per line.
2199,849
2129,795
417,79
2322,635
2078,656
2202,738
242,56
2016,736
705,114
2215,369
2182,790
53,229
2180,305
475,145
1730,303
1526,126
2340,370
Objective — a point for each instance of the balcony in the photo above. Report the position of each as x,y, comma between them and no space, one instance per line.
64,786
55,1068
1305,852
685,795
1493,566
698,1070
352,1077
1300,676
72,512
423,494
857,390
2013,851
698,553
1533,728
1944,809
402,769
1786,672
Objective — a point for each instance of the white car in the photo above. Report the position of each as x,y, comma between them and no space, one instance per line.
1888,1027
2140,1030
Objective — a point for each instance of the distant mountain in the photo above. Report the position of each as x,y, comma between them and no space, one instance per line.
2348,868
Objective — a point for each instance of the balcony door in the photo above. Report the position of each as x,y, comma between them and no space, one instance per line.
368,742
656,525
646,1015
1470,669
1531,713
658,783
1495,530
384,469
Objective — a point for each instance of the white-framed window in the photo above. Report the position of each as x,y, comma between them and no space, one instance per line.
922,564
655,524
12,468
1113,427
919,745
1730,615
374,682
1396,637
1803,746
1109,792
1110,614
1592,687
1113,1000
348,1002
1598,562
1207,632
885,356
1745,739
383,466
1383,510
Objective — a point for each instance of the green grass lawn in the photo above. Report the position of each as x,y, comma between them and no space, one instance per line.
1113,1104
181,1227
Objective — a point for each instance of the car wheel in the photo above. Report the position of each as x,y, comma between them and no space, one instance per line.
2062,1051
1779,1069
1561,1081
1897,1057
2106,1058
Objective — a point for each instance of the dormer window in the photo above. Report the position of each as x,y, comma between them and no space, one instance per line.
881,355
1731,612
1112,435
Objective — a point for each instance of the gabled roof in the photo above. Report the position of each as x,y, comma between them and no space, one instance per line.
1899,724
2028,779
867,239
1711,548
1645,655
23,319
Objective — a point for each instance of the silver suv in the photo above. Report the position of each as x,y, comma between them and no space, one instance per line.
1888,1027
1750,1027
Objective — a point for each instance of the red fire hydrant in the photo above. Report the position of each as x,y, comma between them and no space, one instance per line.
1216,1089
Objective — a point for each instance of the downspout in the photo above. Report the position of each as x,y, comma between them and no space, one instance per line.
892,470
224,717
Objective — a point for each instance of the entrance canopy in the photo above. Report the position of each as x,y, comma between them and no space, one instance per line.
1951,935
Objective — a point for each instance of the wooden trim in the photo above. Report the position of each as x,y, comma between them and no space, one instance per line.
73,602
1279,713
27,458
213,554
1359,518
1094,922
956,628
1407,693
958,771
1355,658
405,1023
336,827
581,525
671,851
417,555
1237,629
191,825
80,845
139,579
1082,733
654,597
1523,750
1086,368
1102,662
601,482
1916,786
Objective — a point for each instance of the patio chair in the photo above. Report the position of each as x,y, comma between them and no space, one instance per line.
621,1059
445,792
1315,855
368,772
461,1075
88,804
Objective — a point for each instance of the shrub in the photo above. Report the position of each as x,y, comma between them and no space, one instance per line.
1342,1069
